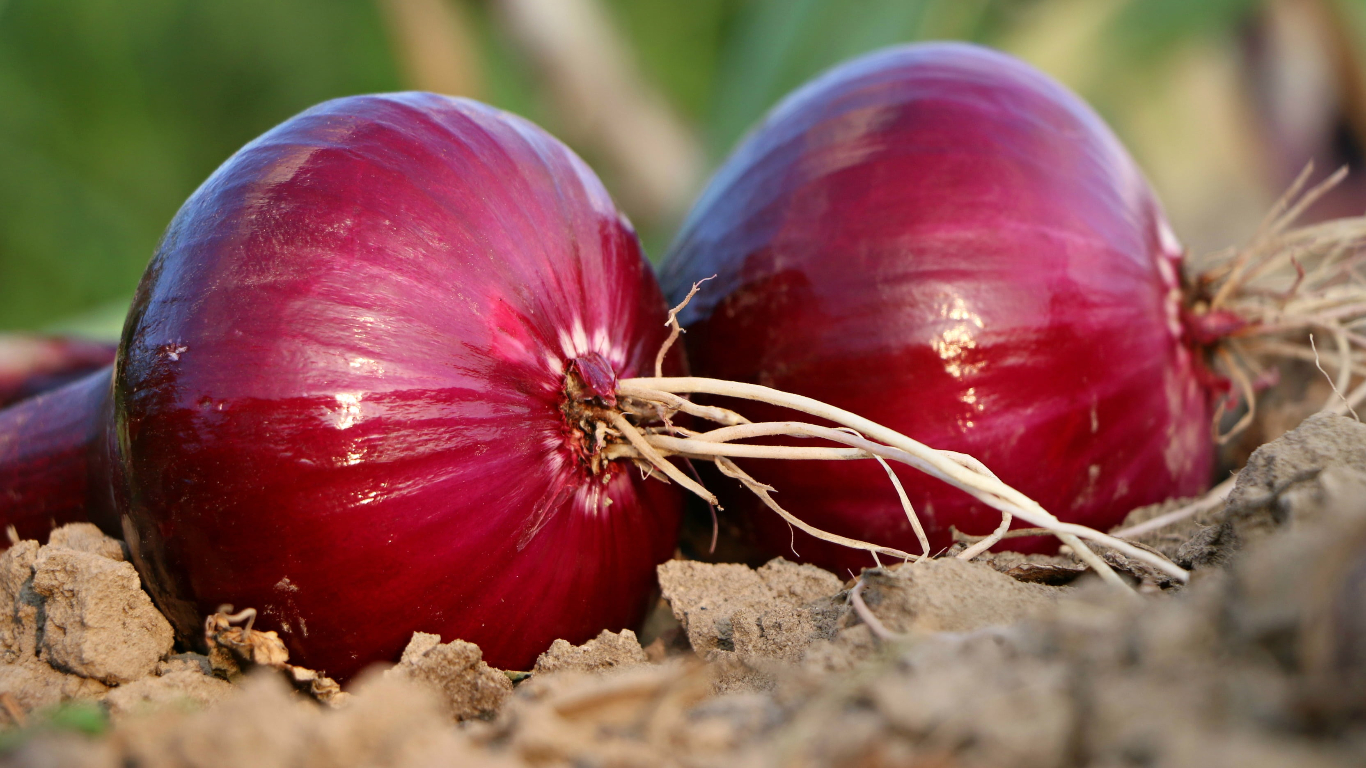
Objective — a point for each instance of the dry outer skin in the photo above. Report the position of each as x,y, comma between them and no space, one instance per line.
1053,570
606,651
456,671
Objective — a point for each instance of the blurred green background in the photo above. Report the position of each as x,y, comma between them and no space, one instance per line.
113,111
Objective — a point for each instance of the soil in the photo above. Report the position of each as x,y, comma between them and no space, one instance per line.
1260,660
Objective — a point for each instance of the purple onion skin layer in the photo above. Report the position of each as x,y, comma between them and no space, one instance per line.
942,239
339,388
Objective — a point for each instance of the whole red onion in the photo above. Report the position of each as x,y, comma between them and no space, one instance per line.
349,390
944,240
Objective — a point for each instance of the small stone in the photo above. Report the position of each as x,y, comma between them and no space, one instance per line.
457,672
98,622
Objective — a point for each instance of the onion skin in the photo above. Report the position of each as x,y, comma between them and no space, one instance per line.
944,240
338,396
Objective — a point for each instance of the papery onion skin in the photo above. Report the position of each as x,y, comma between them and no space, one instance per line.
942,239
339,388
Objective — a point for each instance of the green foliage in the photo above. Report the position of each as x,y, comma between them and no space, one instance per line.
679,45
115,110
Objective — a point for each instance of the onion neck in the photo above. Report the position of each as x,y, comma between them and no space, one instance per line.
54,466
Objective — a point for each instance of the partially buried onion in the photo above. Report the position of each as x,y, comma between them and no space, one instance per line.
944,240
357,385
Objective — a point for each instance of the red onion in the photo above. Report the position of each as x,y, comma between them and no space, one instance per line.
351,390
946,241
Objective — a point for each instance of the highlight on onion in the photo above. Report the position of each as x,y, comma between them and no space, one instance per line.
945,241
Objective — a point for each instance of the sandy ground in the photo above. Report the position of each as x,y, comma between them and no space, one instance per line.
1004,661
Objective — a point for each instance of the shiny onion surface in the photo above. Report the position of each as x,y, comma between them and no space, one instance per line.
942,239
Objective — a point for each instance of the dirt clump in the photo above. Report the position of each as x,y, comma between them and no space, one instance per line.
951,595
98,623
608,650
389,722
85,537
75,623
1260,660
1278,475
173,688
456,672
629,716
1277,487
766,606
33,684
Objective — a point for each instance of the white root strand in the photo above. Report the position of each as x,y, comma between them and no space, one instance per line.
730,469
1210,500
638,440
866,615
893,445
906,506
1285,283
709,412
989,541
675,330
